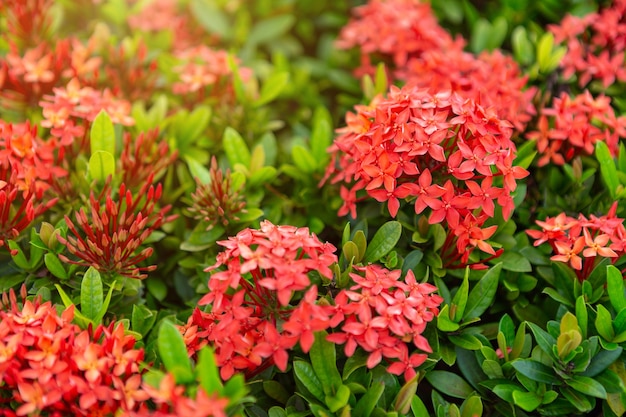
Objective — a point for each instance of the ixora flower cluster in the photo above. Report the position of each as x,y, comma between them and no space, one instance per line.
583,242
49,366
266,302
443,153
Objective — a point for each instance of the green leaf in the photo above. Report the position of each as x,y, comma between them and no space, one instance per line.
367,402
443,320
587,386
272,87
324,361
544,340
601,361
209,15
197,169
418,407
513,261
466,341
535,370
55,266
615,288
83,321
339,400
449,383
604,324
607,167
459,301
91,294
102,134
173,353
472,407
271,28
582,316
383,241
522,47
544,51
303,159
276,391
101,165
207,371
578,400
527,401
321,136
142,319
236,148
306,375
482,295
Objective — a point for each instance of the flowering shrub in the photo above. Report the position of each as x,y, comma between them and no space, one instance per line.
330,208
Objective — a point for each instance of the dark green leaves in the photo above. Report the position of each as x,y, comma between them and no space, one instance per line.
482,295
383,241
173,353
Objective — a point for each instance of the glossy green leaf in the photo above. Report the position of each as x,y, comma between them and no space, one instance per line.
306,375
91,293
466,341
383,241
535,371
272,87
587,386
142,319
338,400
577,399
482,295
55,266
527,401
601,361
207,371
197,169
544,340
418,407
303,159
443,320
101,165
449,383
102,134
276,391
236,148
368,401
173,352
321,136
324,361
582,316
615,288
459,301
604,324
607,167
472,407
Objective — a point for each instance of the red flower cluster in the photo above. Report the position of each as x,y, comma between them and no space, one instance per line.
444,152
258,309
27,165
595,45
114,231
49,366
582,241
395,29
572,126
381,313
425,55
143,157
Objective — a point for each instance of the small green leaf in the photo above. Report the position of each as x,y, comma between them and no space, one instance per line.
272,87
339,399
276,391
527,401
303,159
383,241
91,294
173,353
101,165
271,28
323,359
604,324
55,266
483,293
513,261
207,371
459,301
615,288
102,134
582,316
418,407
236,148
535,370
545,341
443,320
197,169
306,375
601,361
449,383
367,402
607,167
321,136
209,15
472,407
19,258
587,386
142,319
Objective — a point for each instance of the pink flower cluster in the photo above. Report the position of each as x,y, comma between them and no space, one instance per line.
582,242
255,314
595,45
382,313
573,125
444,153
49,366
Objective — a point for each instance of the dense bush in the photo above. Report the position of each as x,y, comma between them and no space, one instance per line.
290,208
